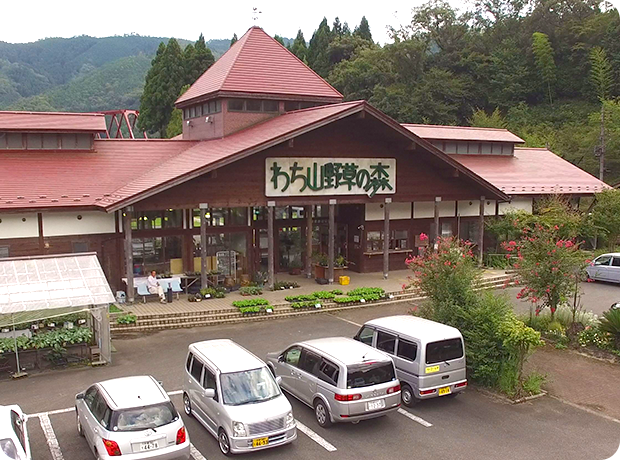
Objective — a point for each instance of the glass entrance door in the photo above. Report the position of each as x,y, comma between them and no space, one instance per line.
290,248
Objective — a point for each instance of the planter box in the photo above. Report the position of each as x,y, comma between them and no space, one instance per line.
321,272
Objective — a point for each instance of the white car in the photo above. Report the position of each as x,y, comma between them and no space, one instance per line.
605,267
132,417
14,444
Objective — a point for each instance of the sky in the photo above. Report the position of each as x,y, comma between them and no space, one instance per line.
189,18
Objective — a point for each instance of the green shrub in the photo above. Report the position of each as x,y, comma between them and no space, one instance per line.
323,295
336,292
213,293
53,339
251,309
347,299
532,384
250,290
115,309
593,335
250,303
307,304
610,323
366,291
128,318
300,298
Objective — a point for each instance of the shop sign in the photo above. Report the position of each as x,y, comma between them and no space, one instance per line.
329,176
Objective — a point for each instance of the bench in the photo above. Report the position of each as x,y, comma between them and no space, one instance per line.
174,284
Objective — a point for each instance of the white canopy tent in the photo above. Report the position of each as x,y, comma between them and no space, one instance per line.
48,283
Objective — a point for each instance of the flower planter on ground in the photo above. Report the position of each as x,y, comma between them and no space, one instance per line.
321,272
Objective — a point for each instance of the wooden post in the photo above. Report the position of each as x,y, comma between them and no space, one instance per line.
270,244
203,245
481,232
331,250
128,253
386,237
437,230
308,211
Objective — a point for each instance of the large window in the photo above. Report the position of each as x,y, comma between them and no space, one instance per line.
156,253
444,350
399,239
205,108
149,220
220,217
235,243
252,105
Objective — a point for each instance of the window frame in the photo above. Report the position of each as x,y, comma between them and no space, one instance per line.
358,336
202,368
208,372
613,259
408,342
395,338
323,376
289,349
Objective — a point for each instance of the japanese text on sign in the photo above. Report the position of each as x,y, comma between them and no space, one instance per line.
329,176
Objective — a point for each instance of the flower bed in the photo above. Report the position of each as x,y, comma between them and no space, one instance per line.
251,305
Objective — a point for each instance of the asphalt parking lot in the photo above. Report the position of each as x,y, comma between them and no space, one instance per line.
472,426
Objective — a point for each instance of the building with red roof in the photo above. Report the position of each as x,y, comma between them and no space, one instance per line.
272,166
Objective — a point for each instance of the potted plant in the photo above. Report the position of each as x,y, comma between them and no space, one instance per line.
295,267
322,262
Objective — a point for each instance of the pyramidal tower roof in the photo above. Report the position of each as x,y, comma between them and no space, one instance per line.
259,65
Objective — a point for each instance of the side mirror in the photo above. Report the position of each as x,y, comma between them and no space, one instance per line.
79,396
209,393
279,380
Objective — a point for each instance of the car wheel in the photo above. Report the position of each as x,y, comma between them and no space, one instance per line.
187,405
407,396
79,425
223,441
321,412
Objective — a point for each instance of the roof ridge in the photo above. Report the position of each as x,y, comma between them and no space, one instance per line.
456,127
318,107
26,112
237,44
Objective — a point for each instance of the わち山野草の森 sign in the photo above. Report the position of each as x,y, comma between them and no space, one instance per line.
329,176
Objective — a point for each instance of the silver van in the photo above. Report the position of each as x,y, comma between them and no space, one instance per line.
235,396
343,380
429,356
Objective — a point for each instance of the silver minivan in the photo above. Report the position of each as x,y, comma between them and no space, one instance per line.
235,396
343,380
605,267
429,356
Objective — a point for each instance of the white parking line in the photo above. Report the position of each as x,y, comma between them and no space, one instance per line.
315,437
347,321
415,418
175,392
195,453
50,437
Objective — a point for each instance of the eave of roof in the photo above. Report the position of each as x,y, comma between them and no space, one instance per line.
463,133
52,122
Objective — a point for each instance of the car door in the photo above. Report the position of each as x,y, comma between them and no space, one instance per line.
598,269
194,385
87,417
288,368
614,270
407,369
211,406
307,378
19,428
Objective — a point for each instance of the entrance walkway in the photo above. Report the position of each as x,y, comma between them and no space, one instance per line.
394,283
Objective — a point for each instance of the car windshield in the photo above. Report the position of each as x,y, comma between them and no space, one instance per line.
444,350
143,418
8,451
368,374
248,387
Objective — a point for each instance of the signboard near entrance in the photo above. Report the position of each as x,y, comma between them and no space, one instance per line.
329,176
226,262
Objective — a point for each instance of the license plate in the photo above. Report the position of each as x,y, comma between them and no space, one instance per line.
375,405
150,445
430,370
260,442
444,391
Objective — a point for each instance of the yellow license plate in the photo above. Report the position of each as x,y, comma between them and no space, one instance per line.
260,442
444,391
430,370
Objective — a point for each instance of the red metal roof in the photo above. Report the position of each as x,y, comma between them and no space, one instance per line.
258,64
35,179
532,172
52,121
463,133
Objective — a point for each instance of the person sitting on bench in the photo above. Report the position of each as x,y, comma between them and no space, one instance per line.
154,287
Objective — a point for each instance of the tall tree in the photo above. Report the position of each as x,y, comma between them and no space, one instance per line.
164,81
602,79
233,40
363,30
318,57
543,52
299,48
175,125
203,58
279,39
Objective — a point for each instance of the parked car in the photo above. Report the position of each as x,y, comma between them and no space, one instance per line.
605,267
14,443
343,380
235,396
132,417
429,356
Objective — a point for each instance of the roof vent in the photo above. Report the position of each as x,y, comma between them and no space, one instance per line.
32,201
20,197
54,201
86,195
64,196
77,199
42,197
9,202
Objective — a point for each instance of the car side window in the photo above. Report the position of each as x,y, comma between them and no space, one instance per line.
365,335
407,350
18,427
89,397
603,260
101,411
328,372
196,370
615,262
309,361
292,356
209,381
189,361
386,342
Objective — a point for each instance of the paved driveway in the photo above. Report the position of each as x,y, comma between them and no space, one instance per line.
472,426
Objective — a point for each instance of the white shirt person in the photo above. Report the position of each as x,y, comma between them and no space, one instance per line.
154,287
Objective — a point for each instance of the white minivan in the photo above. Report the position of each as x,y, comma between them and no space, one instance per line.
236,397
605,267
429,356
